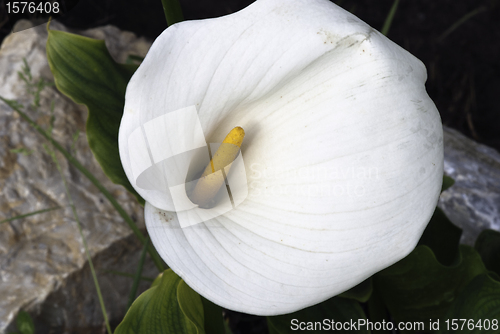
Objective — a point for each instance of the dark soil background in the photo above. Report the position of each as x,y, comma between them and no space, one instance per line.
462,61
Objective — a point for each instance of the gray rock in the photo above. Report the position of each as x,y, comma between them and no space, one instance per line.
473,203
43,266
42,263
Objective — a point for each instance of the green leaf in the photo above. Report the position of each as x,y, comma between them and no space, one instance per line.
377,311
170,307
157,280
447,183
479,304
84,70
317,318
191,305
442,237
419,288
214,323
25,323
360,292
488,246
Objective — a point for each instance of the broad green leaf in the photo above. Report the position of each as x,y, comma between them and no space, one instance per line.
319,318
170,307
447,183
25,323
214,323
479,304
360,292
84,70
442,237
419,288
377,312
488,246
190,304
157,280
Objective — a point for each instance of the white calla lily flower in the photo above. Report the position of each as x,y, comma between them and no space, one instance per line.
343,153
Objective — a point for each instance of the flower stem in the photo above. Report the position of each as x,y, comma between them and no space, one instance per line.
389,18
138,275
461,21
173,11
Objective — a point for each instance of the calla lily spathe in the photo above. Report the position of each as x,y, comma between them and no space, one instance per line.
343,151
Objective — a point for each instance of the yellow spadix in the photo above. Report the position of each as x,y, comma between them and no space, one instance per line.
209,183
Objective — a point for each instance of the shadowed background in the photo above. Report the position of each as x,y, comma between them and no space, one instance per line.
456,39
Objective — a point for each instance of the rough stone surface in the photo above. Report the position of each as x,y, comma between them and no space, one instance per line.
42,263
43,267
473,203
